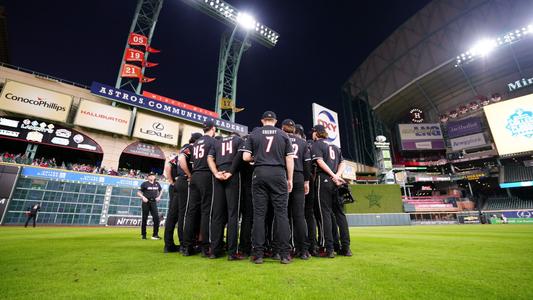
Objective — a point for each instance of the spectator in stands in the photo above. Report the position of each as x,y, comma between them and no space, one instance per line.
32,213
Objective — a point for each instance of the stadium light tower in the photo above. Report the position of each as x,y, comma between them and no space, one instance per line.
485,46
231,49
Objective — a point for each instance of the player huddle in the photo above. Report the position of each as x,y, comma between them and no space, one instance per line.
273,192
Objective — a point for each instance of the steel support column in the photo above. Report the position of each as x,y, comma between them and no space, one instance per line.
231,50
144,22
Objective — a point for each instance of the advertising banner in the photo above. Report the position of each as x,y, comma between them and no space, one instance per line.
511,124
24,99
350,170
425,136
8,177
143,149
88,178
513,217
188,130
464,127
152,128
129,221
330,120
180,104
163,107
469,141
103,117
39,132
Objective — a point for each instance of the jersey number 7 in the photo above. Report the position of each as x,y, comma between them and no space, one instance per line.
270,139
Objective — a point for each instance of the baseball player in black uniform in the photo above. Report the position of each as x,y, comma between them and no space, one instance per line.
271,150
302,160
178,194
226,192
201,191
150,193
329,169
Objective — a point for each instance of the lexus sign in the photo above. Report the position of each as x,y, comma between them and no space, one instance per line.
330,120
157,129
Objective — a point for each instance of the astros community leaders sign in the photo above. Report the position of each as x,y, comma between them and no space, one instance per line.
22,98
133,99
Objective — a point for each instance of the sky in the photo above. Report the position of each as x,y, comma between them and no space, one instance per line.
321,44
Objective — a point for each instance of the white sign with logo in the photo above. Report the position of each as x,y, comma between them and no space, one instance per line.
468,141
103,117
330,120
188,130
423,131
511,124
27,99
157,129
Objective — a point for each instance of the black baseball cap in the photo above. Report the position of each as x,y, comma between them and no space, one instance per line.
151,173
288,122
209,124
299,128
194,137
318,128
269,115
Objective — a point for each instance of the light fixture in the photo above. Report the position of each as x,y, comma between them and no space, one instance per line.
246,21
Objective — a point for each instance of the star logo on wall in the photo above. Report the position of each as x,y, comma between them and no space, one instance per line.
374,199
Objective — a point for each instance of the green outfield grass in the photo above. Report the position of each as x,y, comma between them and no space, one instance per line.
418,262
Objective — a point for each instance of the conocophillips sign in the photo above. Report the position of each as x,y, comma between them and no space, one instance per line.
22,98
330,120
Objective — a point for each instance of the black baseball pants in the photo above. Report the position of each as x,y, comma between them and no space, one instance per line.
150,207
225,208
297,213
247,214
181,192
269,185
172,217
200,199
31,216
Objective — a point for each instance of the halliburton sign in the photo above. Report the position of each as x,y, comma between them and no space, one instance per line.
27,99
103,117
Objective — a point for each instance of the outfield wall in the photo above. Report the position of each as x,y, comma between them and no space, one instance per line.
375,199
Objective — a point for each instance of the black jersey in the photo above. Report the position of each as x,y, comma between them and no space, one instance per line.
225,150
200,151
330,154
186,151
175,166
269,146
301,152
150,190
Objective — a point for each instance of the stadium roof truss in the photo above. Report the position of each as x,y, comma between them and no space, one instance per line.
417,65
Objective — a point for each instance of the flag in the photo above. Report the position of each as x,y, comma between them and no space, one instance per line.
130,71
147,79
148,64
152,50
137,40
134,55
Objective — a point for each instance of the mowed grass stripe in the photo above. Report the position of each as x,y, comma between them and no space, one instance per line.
437,262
